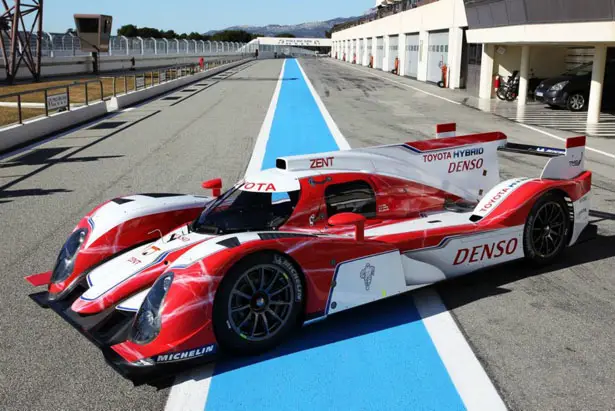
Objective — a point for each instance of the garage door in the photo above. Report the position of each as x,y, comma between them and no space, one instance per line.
393,51
353,51
379,52
368,49
361,51
412,55
437,55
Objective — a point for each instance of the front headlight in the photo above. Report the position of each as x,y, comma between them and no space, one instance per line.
66,260
147,322
559,86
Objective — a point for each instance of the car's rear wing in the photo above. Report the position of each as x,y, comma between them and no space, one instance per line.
564,163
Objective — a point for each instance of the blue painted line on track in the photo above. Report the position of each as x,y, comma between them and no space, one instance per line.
376,357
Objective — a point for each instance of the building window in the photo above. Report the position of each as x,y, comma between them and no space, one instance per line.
353,197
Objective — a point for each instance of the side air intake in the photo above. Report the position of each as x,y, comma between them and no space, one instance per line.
280,163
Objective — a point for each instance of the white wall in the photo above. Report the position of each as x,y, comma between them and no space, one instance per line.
544,61
444,14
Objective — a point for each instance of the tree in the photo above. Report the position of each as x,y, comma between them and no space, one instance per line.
129,30
290,35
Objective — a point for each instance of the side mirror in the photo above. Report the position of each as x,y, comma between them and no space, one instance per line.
214,185
357,220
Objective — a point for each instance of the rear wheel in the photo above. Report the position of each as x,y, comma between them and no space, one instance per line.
546,229
257,304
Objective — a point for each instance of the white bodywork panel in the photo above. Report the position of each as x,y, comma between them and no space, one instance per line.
497,194
462,254
366,279
133,303
375,277
106,276
113,214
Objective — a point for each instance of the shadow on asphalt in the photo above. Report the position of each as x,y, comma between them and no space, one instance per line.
399,310
33,192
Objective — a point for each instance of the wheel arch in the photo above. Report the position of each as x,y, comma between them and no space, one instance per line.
274,251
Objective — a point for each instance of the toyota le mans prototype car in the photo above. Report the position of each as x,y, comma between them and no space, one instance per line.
160,279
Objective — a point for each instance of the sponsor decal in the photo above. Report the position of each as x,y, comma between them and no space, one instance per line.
293,273
465,165
500,194
454,154
367,273
321,162
186,355
151,250
575,163
486,251
267,187
383,208
134,260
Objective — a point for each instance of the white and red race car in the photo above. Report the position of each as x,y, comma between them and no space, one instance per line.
159,279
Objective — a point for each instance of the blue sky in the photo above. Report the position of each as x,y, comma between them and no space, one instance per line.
200,15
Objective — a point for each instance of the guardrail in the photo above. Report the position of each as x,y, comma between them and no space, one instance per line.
47,101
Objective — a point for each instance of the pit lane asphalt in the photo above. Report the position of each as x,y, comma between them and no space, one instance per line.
44,363
545,337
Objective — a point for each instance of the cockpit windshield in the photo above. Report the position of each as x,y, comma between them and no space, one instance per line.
237,211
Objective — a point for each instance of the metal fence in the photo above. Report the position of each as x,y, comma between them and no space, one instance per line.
25,105
68,45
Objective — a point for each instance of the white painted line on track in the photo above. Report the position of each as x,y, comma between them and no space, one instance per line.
406,85
604,153
470,379
256,161
190,390
342,143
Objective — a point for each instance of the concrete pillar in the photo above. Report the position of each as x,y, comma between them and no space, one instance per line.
401,53
524,74
387,54
486,72
455,49
595,91
421,75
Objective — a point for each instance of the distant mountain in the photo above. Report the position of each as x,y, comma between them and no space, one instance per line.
313,29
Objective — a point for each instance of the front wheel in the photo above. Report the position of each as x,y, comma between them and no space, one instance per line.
501,93
576,102
546,229
258,304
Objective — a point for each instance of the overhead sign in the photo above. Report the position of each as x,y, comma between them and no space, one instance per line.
298,42
57,101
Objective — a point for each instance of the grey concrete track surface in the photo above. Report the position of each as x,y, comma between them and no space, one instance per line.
544,336
162,146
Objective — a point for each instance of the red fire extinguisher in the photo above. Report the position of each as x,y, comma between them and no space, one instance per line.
354,58
497,82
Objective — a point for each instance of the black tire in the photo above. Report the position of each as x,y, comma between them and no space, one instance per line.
501,93
546,231
576,102
511,96
230,322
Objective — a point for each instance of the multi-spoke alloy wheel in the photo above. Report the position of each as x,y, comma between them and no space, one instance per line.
260,302
257,303
576,102
546,229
